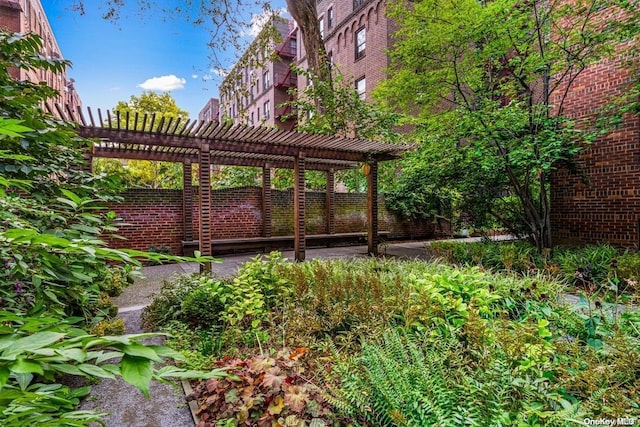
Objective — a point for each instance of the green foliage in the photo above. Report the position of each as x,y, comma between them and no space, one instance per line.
414,343
484,85
167,304
398,382
587,266
55,266
203,306
343,112
108,327
144,173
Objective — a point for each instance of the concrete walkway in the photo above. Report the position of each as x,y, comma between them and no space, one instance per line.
167,407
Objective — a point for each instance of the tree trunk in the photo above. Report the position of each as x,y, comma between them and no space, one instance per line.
306,15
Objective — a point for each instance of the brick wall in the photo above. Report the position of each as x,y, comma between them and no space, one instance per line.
153,218
605,208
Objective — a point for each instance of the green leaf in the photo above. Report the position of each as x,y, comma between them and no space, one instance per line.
137,371
140,350
67,368
32,342
95,371
4,376
23,366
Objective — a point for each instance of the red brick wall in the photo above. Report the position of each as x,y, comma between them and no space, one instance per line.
153,218
606,208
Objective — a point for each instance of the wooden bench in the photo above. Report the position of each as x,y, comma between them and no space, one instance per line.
265,244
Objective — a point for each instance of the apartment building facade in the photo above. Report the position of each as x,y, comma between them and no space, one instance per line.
257,87
28,16
211,111
356,36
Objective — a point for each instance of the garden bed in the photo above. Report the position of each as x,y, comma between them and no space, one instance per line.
384,342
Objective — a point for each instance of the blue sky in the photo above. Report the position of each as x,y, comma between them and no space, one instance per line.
112,61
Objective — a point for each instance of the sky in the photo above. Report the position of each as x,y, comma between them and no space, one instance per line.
113,61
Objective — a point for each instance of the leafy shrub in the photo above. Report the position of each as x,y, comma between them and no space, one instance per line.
167,304
204,305
397,382
108,327
519,257
115,281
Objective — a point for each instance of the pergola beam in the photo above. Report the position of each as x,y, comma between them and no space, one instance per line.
208,143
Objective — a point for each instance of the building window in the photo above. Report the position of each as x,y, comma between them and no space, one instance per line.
358,3
321,26
361,42
330,59
266,80
253,118
330,18
361,87
267,109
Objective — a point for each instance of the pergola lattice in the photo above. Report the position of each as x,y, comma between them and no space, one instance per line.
208,143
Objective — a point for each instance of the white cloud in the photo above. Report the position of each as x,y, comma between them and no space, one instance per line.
165,83
194,76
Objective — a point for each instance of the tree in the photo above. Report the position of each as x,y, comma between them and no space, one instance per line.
343,112
486,82
145,173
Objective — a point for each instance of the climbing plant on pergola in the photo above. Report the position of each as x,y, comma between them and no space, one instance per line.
207,143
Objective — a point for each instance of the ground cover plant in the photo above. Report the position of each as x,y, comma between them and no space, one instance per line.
599,271
381,342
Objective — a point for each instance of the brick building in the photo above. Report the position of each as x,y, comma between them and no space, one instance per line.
211,111
258,85
24,16
600,203
357,35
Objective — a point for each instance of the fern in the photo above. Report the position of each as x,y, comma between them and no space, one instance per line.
401,381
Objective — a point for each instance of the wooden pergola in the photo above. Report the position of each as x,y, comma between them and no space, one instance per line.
191,142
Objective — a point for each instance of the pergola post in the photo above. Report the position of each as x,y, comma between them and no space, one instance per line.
372,208
204,172
187,199
298,208
266,201
330,202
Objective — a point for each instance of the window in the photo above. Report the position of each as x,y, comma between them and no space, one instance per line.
329,18
253,118
321,26
361,87
361,42
267,109
358,3
330,59
266,80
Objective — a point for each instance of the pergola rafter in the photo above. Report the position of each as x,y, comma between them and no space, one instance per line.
144,137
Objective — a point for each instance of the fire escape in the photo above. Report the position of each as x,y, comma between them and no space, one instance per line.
286,81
